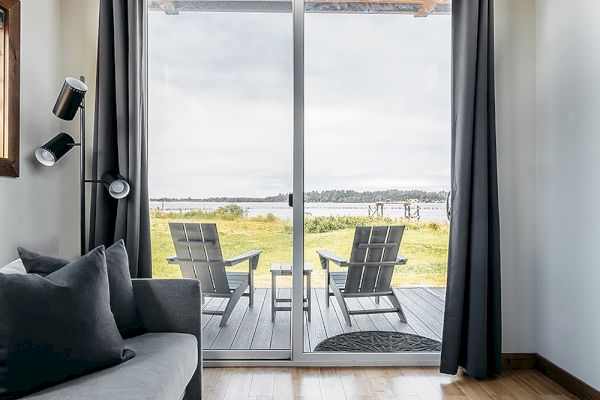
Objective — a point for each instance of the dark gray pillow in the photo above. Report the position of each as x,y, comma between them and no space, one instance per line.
57,327
36,263
122,300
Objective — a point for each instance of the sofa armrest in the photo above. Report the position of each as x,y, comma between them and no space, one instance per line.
173,305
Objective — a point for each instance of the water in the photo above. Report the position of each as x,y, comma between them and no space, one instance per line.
428,211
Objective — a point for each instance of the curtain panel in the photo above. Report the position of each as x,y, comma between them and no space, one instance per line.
120,132
472,320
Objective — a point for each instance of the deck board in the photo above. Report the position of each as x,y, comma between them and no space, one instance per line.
244,335
264,328
253,329
281,329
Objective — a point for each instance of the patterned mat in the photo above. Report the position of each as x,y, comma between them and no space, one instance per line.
378,342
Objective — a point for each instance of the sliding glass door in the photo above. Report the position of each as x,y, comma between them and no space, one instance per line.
298,167
376,177
220,145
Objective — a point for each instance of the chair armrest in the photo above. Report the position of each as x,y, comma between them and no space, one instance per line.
401,260
243,257
328,255
172,259
173,305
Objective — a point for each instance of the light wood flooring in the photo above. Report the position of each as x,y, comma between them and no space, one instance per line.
424,383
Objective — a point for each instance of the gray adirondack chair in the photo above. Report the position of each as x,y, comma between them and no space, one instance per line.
370,269
199,256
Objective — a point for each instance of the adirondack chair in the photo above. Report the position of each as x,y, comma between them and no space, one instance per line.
370,269
199,256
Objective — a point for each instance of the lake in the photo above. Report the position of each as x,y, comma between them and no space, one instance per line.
427,211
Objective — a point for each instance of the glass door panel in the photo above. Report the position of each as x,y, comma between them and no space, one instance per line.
376,171
220,151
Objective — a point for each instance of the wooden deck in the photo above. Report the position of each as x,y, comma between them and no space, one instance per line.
251,328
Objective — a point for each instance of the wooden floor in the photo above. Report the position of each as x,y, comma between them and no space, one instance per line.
251,328
373,383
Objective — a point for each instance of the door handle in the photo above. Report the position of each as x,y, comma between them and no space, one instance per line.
291,200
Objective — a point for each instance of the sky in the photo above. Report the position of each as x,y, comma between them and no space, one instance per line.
377,103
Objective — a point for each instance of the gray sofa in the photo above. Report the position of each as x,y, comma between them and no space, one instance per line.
168,361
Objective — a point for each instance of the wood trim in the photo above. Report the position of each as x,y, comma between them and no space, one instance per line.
519,360
9,166
535,361
573,384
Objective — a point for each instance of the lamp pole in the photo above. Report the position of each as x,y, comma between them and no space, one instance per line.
82,150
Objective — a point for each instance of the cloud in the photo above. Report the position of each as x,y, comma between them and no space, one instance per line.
221,103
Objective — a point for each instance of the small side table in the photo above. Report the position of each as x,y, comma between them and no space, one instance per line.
284,269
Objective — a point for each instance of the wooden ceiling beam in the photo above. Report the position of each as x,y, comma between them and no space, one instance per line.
418,8
427,7
168,7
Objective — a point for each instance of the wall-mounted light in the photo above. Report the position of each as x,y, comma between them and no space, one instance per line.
70,100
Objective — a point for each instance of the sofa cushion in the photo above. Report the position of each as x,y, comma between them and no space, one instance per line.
15,267
122,301
58,327
163,366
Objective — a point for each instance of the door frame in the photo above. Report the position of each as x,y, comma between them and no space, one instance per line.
295,356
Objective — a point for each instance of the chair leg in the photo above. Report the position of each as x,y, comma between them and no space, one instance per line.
273,296
235,297
377,299
327,289
251,279
342,303
396,304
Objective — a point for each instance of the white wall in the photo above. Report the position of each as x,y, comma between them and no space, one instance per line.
40,208
29,204
79,44
515,108
568,185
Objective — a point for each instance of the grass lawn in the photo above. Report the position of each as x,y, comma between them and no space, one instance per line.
424,244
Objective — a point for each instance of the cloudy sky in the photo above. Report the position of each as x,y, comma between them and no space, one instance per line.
220,114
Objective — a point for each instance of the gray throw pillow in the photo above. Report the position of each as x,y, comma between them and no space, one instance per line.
57,327
36,263
122,300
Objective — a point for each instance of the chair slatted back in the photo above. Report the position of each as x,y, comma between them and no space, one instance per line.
373,244
200,242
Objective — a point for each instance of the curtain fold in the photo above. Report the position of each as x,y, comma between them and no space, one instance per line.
472,319
120,133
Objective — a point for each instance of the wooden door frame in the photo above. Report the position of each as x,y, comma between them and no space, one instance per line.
9,162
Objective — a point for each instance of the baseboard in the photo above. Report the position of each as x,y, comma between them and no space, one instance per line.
535,361
573,384
519,360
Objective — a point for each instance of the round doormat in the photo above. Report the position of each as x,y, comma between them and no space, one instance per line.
378,342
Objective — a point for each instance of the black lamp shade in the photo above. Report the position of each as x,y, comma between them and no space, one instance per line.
116,185
53,151
69,99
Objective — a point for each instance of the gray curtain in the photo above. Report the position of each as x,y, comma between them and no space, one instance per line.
120,133
472,320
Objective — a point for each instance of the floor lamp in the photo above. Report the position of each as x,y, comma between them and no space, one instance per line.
70,100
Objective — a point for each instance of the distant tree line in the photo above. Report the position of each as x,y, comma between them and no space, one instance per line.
332,196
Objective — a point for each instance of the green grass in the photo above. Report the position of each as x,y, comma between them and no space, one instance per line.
424,244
